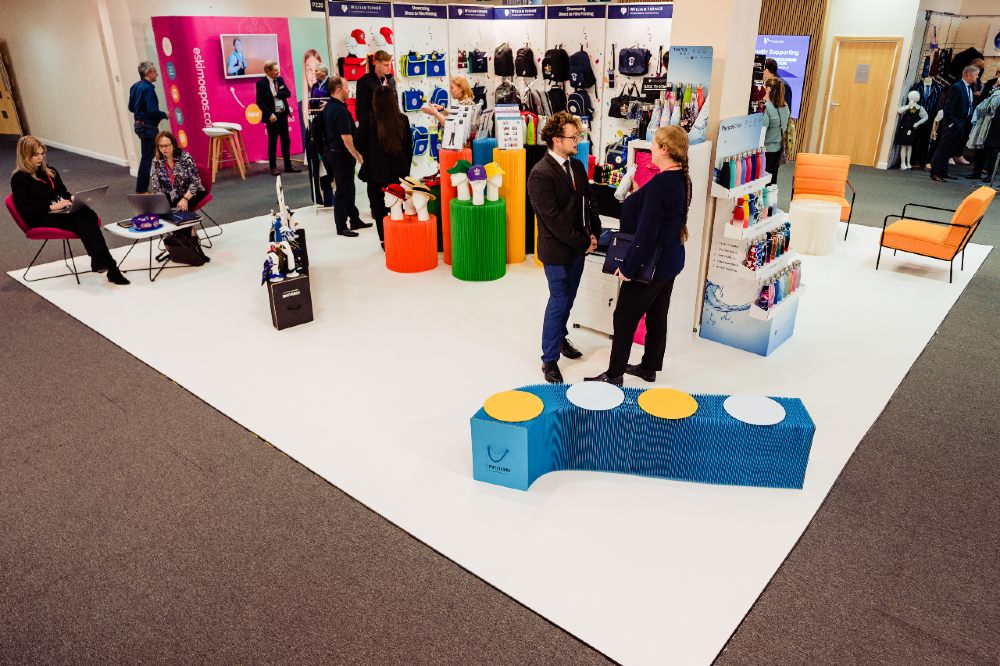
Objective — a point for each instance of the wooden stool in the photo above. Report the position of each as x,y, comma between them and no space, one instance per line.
410,245
237,131
219,139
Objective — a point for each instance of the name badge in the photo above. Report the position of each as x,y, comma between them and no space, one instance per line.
279,105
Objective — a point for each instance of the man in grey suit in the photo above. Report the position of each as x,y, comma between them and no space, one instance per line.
568,228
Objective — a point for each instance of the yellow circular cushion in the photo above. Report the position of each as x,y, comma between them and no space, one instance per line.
513,406
667,403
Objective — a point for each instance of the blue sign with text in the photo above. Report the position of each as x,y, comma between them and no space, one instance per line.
361,9
470,12
419,11
636,11
576,12
791,52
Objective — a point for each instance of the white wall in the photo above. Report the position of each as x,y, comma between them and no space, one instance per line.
865,18
62,75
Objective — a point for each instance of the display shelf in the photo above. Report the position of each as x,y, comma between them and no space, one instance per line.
768,224
769,314
720,192
767,271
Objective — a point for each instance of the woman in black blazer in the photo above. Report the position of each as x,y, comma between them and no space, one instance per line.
385,141
38,192
656,214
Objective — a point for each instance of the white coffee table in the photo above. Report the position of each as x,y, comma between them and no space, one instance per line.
149,236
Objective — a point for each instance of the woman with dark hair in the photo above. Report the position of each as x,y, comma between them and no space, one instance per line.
776,114
175,174
656,215
385,142
40,198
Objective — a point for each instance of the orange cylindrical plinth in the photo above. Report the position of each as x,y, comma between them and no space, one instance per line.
513,190
410,245
447,159
537,260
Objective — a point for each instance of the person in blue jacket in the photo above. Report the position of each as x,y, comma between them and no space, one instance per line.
656,215
145,107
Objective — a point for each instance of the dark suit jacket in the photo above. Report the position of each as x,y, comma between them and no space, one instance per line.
366,87
957,109
32,196
265,100
562,233
655,215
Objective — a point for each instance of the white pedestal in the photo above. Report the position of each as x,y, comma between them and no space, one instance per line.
814,226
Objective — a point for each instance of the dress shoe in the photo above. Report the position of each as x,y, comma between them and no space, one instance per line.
551,371
361,225
641,372
347,232
115,276
275,172
567,349
936,178
603,377
291,169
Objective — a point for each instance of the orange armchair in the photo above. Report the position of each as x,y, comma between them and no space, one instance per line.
824,178
934,238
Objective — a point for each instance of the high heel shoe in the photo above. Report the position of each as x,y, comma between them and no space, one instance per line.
115,276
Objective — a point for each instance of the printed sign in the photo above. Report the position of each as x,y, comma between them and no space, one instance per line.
356,9
518,13
470,12
635,11
791,52
419,11
576,12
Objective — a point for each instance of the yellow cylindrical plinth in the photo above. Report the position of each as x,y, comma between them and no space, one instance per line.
513,191
447,159
537,260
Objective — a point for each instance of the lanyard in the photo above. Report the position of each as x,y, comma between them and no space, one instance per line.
170,172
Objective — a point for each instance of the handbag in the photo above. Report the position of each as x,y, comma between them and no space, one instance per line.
618,249
355,68
617,154
634,61
478,63
479,95
621,104
435,64
414,64
183,248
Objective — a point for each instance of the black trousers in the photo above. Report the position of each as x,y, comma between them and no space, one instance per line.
635,300
345,211
771,163
950,139
376,197
87,226
279,130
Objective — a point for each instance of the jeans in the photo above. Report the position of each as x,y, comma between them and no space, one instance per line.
148,150
341,165
563,283
635,300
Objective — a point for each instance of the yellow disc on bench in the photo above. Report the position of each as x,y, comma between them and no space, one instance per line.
513,406
667,403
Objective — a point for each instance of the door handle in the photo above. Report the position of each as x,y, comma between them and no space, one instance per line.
834,103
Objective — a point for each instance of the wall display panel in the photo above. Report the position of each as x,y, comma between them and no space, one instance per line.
576,27
191,59
522,28
423,64
470,28
632,26
369,21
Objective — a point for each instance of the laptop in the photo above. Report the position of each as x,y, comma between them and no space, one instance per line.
84,199
158,204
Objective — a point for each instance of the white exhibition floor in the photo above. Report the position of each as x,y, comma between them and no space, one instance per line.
386,378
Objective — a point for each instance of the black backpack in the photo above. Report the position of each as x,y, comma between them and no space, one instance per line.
479,95
524,63
555,65
478,63
506,93
579,103
557,99
317,135
581,72
503,60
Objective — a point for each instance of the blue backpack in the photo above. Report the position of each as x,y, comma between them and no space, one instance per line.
439,96
435,64
413,99
579,103
415,64
420,136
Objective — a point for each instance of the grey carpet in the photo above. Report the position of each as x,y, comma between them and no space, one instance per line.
169,533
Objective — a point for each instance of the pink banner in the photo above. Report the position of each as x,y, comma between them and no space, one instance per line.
193,70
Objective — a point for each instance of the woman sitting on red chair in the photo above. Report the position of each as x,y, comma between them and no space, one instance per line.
39,194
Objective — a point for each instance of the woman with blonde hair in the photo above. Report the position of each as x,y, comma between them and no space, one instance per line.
461,92
40,196
656,216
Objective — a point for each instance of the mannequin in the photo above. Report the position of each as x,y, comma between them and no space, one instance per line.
420,200
409,183
930,99
395,195
911,116
460,180
477,181
494,179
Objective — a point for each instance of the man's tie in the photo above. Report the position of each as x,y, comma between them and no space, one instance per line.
569,172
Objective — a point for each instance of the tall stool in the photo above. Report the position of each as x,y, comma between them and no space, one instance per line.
219,139
237,131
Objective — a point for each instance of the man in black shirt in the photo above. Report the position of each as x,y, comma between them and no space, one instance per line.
380,76
341,157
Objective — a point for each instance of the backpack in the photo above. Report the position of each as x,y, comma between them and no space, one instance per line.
435,64
506,93
317,135
479,95
634,61
524,63
534,102
478,63
581,73
557,99
503,60
579,103
414,64
439,96
413,99
555,65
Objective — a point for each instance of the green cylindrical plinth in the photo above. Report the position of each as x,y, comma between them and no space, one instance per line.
478,240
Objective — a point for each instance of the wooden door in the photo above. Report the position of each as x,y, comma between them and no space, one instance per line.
858,97
9,123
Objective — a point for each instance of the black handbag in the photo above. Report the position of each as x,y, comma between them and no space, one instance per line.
183,248
621,104
478,63
615,259
634,61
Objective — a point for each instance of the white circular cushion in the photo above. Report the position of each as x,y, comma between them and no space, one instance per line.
754,409
595,396
236,127
215,131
